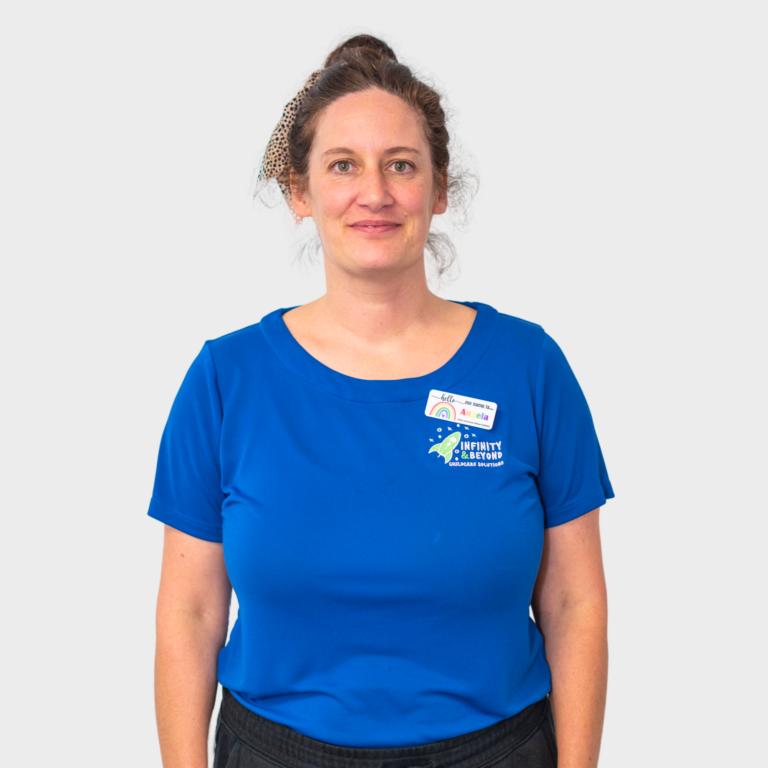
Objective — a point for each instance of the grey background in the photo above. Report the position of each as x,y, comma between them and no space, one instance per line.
622,156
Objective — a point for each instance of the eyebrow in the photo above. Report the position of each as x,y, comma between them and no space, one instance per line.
390,151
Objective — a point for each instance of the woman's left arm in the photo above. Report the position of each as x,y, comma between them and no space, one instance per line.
570,608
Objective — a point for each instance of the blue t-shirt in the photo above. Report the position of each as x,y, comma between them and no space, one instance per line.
383,587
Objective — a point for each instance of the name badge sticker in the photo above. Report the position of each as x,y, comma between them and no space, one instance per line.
460,409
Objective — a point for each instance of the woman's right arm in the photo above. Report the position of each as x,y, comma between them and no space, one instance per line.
192,621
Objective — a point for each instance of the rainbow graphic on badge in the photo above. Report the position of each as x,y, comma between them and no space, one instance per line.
443,410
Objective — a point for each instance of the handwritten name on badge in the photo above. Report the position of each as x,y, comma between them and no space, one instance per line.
460,409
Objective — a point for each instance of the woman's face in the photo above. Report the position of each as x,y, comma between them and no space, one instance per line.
370,188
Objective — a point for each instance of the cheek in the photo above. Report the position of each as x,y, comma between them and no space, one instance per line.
333,200
417,202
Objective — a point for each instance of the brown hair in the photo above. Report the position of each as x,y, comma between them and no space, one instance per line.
364,62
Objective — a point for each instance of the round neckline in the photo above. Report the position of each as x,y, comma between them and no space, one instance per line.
298,360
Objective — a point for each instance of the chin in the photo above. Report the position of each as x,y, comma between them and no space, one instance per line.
379,260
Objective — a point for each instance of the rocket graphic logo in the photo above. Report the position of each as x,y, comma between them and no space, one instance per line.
445,449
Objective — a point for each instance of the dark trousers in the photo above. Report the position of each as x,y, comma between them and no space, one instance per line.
245,739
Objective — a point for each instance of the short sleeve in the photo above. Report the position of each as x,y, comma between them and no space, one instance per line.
572,478
187,492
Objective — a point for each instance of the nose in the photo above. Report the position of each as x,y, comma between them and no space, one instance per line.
374,193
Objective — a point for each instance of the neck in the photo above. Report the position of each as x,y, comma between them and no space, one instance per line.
380,306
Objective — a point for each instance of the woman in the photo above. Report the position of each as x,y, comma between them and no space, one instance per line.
393,480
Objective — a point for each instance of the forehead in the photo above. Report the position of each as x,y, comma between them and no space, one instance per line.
368,120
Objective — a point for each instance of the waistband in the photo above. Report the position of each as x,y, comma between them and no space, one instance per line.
286,747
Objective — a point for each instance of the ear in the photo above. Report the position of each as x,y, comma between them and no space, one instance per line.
298,200
441,201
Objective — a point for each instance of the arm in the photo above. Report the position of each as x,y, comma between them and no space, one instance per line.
192,622
571,611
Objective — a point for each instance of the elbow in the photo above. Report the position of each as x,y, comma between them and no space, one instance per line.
587,613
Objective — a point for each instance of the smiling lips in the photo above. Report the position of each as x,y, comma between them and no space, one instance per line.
374,226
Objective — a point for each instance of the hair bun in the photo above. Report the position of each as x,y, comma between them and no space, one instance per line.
360,46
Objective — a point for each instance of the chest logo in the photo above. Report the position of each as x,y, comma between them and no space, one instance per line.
461,448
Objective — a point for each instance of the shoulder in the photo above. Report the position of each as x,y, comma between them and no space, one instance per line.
527,346
532,336
223,357
235,343
245,344
520,326
243,355
522,337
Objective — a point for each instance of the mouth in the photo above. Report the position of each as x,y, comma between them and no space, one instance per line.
374,227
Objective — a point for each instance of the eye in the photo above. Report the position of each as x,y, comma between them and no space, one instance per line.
342,166
401,166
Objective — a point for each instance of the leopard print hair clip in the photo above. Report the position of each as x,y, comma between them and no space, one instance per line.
275,162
